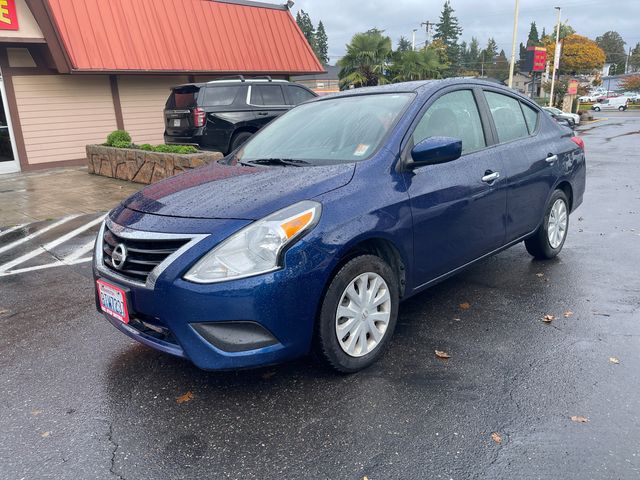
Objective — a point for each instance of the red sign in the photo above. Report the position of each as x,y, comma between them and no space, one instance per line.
8,15
539,58
573,88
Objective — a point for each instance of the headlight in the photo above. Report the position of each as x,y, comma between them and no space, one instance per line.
256,248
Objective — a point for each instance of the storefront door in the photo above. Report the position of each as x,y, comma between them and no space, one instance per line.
8,159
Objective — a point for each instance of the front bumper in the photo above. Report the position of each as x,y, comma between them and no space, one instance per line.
281,305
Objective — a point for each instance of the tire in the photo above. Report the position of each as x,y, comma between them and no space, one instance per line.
596,109
543,245
332,351
621,109
239,139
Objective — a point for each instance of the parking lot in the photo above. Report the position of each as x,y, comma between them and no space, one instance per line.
519,397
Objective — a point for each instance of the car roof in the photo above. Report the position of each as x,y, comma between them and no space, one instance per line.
233,81
420,87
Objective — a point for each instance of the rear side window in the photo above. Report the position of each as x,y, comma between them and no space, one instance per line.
183,98
220,96
298,95
454,115
508,116
267,95
531,117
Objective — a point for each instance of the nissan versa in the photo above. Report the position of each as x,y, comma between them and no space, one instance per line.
309,236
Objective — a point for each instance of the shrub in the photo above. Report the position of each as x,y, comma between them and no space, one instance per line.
120,137
121,144
146,146
180,149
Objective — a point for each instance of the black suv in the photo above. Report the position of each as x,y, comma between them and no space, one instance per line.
223,114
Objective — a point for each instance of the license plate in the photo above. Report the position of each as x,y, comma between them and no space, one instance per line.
113,301
176,123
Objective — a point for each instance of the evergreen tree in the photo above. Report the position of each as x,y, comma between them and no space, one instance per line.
464,53
523,55
613,45
491,50
404,45
473,57
306,25
448,31
634,61
533,40
322,44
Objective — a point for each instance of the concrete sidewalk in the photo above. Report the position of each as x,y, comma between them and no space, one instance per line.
43,195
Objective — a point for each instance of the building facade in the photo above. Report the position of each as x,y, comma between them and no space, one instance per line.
75,70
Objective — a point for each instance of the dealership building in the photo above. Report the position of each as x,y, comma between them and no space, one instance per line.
75,70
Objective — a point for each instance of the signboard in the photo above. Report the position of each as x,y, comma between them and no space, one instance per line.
573,87
556,57
8,15
536,60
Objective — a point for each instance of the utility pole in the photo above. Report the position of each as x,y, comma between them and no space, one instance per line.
513,44
556,59
413,42
626,64
482,66
428,26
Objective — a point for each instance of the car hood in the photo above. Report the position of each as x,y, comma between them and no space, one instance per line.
236,192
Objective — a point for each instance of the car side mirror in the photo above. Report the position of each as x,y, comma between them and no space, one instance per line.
435,150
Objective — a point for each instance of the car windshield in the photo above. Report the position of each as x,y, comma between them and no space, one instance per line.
338,130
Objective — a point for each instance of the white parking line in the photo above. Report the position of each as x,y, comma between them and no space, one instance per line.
37,234
45,248
86,248
12,229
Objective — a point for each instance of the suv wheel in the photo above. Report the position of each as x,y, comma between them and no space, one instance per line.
239,139
358,314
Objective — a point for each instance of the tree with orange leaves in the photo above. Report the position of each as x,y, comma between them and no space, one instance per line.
579,55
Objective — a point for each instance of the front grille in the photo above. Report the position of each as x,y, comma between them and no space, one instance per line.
142,255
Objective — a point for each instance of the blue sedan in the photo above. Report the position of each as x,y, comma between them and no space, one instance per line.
310,235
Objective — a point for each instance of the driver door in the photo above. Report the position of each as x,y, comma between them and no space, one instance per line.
458,207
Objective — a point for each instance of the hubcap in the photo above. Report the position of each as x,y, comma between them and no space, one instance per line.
557,228
363,314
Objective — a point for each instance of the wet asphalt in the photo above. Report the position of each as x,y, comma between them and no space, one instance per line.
79,400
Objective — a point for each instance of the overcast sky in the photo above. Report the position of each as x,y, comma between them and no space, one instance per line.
479,18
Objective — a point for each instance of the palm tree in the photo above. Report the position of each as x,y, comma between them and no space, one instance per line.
366,60
419,65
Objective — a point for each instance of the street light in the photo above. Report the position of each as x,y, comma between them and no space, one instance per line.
413,42
513,44
556,57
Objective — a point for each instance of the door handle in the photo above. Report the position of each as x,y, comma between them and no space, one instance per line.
263,114
552,158
490,177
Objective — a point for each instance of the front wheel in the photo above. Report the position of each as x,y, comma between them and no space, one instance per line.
596,109
621,109
549,239
358,314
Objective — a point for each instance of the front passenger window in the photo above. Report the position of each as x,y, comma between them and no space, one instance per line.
454,115
508,117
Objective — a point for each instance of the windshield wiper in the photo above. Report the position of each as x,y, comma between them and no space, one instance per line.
277,161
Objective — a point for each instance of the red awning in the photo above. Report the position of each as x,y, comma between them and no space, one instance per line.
181,36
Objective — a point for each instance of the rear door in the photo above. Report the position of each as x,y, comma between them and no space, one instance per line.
528,152
269,101
458,207
178,113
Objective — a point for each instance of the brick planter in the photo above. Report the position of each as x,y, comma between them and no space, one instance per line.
141,166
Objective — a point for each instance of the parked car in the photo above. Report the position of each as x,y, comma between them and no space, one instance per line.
590,97
309,241
573,118
223,114
618,103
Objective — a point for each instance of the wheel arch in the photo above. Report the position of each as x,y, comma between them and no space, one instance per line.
566,187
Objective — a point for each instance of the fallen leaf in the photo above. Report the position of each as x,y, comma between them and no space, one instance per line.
35,413
443,355
495,436
465,306
548,318
579,419
539,275
3,311
614,360
568,314
187,397
45,434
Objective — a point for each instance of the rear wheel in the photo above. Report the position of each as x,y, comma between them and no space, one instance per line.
621,108
549,239
239,139
358,314
597,109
